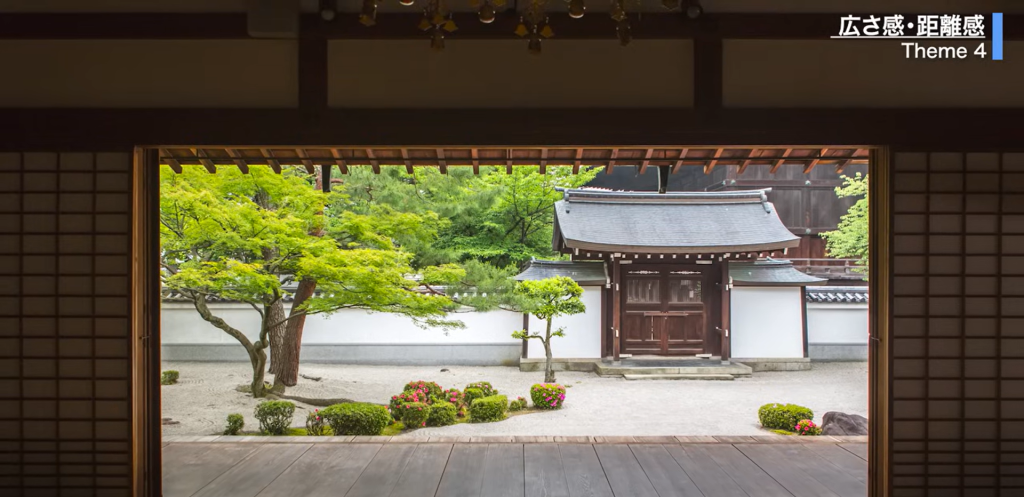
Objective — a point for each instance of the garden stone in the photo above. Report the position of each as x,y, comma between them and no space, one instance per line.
838,423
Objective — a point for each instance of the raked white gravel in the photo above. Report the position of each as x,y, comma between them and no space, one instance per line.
206,393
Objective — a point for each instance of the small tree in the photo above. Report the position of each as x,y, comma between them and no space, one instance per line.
850,238
546,299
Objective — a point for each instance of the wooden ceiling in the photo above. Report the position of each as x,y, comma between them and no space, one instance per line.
444,157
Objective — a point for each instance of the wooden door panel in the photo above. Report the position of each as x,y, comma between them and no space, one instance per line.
684,334
638,335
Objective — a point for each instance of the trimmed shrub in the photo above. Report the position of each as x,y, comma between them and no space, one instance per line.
316,425
398,401
414,414
275,416
235,424
442,414
357,418
425,389
547,395
485,387
454,396
168,377
807,427
517,405
472,394
783,416
488,409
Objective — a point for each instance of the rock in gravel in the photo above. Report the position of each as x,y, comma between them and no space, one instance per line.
445,370
311,378
838,423
168,421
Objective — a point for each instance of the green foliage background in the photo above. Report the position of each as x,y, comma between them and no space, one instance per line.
850,238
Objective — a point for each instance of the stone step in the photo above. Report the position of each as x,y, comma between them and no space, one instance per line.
736,370
715,377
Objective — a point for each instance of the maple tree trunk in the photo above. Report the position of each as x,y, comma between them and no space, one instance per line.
288,350
275,314
549,372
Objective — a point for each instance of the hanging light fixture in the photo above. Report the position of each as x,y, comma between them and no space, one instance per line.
368,14
437,19
670,4
622,30
534,23
487,12
328,9
693,9
577,8
407,2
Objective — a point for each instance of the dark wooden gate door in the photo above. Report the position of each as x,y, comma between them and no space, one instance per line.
663,311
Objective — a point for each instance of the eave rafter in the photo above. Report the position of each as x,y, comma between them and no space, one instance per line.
445,157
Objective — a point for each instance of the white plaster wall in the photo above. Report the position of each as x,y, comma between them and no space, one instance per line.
837,323
582,338
766,322
181,324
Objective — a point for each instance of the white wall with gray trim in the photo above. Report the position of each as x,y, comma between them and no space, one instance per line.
354,336
837,332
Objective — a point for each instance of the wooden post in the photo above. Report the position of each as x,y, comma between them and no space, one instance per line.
526,341
616,311
803,315
726,298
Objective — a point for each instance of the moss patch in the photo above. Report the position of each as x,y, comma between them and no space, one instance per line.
783,432
395,428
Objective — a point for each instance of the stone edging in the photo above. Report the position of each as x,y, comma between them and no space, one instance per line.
774,439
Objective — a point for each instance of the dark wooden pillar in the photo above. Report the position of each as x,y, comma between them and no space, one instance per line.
526,341
803,316
726,298
616,311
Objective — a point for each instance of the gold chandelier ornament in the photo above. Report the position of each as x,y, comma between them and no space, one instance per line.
577,8
408,3
622,28
437,19
487,10
534,24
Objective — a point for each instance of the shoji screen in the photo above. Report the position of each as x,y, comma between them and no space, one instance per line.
957,383
65,426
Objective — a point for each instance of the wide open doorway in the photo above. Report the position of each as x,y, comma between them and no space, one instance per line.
666,309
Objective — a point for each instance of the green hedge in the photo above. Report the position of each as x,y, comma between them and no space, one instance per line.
235,424
783,416
414,414
427,389
471,394
442,414
485,388
275,416
168,377
488,409
517,405
357,418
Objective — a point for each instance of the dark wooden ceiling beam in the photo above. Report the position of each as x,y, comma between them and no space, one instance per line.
406,161
508,161
475,153
543,161
778,162
576,162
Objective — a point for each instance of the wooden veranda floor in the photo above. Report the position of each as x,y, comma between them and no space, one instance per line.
248,469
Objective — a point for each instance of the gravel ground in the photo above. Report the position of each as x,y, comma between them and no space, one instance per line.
205,395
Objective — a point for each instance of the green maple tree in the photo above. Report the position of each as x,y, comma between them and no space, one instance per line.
850,238
547,299
247,237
